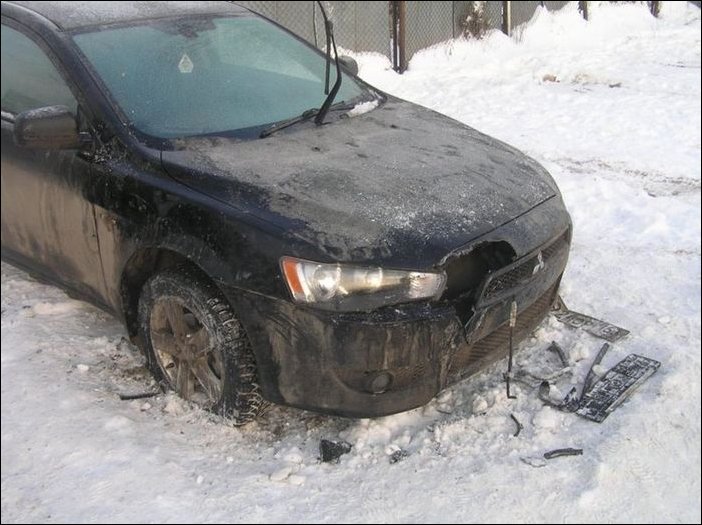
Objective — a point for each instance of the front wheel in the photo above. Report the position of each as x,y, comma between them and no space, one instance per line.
194,343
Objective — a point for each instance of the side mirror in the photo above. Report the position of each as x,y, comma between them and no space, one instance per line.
349,63
50,127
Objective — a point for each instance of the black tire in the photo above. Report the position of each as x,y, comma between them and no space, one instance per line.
240,398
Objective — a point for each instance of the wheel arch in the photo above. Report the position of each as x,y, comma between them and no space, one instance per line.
142,264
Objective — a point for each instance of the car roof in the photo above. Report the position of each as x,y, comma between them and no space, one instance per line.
72,15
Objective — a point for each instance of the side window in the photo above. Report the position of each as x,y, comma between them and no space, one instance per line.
29,78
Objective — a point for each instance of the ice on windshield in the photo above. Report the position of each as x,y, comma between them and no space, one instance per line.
187,77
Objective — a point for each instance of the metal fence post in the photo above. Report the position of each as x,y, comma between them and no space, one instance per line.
398,8
655,8
393,28
401,33
507,17
395,15
583,9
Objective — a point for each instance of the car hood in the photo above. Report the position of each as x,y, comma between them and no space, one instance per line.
400,179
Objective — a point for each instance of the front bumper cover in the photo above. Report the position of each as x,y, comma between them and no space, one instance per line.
325,361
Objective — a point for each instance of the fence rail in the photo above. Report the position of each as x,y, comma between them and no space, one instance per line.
398,29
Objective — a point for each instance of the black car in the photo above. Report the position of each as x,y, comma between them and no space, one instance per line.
175,164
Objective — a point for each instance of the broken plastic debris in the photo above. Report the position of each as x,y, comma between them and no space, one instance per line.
141,395
559,305
616,386
519,425
563,452
331,451
613,388
398,455
539,462
590,378
570,402
596,327
556,348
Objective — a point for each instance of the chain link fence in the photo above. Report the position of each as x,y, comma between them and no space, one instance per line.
361,26
358,26
429,23
398,29
426,24
493,15
523,11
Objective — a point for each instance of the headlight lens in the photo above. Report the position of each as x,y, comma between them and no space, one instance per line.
344,287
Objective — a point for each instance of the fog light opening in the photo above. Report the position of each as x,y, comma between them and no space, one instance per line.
379,382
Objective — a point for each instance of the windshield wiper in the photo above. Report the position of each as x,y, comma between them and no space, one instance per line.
305,115
308,114
322,111
329,30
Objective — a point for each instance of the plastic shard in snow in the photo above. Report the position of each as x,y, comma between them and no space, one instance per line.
519,425
556,348
570,402
398,455
563,452
331,451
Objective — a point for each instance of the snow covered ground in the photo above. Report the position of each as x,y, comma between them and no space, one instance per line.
612,109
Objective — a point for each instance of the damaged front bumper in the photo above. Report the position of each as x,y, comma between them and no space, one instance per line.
396,358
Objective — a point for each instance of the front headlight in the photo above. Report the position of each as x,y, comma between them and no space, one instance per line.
344,287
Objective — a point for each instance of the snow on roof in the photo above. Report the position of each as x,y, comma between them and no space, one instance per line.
71,15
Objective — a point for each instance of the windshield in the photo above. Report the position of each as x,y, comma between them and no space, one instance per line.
203,76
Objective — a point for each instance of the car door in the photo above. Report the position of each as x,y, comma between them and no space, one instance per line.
47,223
